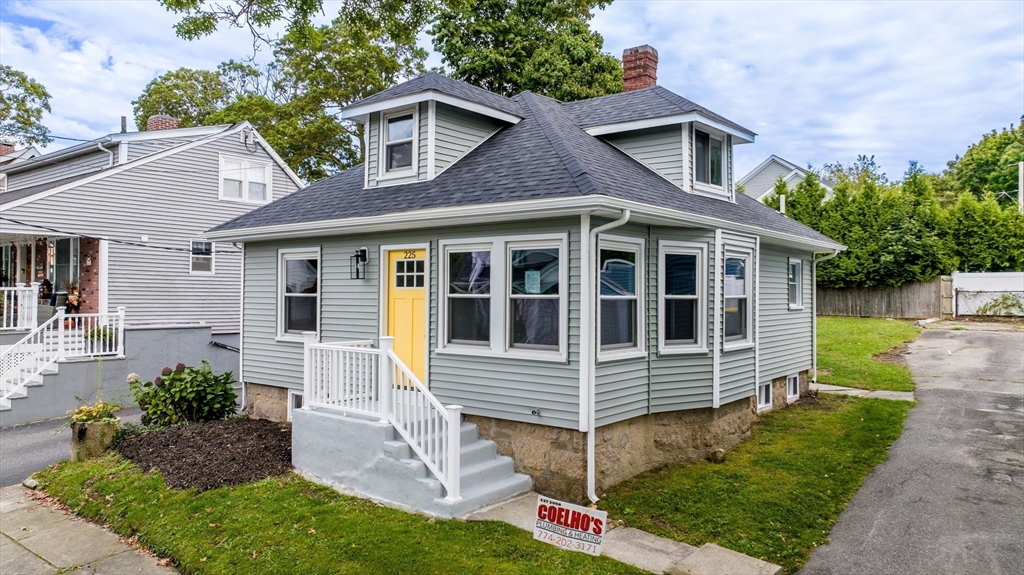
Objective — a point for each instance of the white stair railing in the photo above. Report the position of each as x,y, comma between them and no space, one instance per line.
19,307
353,377
23,362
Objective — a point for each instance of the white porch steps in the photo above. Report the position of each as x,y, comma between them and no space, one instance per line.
371,459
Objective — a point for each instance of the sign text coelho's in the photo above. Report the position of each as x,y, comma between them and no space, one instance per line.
569,526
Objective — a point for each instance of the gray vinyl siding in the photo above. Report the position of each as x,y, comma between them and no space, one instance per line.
144,148
622,386
680,381
169,201
490,386
49,171
660,149
765,179
375,149
736,367
785,333
457,132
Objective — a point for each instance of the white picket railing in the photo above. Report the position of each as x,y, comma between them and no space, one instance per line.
19,307
356,378
63,336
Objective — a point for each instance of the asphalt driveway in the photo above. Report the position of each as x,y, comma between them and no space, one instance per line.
950,498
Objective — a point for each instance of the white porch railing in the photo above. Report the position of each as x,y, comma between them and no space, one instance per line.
356,378
19,307
63,336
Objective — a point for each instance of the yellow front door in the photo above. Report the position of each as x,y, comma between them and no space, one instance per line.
407,307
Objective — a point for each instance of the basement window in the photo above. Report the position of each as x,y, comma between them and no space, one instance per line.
294,402
764,395
792,387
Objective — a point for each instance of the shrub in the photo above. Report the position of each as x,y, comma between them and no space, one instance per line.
184,395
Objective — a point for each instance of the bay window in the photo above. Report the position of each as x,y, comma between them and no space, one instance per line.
534,302
468,297
620,297
682,324
298,292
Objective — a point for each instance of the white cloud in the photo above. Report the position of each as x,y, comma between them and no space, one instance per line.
818,81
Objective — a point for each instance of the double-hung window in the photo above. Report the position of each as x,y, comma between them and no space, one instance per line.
298,292
244,180
794,282
681,302
737,293
468,296
399,132
534,305
708,158
201,257
620,294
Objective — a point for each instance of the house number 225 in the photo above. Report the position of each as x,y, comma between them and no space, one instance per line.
409,255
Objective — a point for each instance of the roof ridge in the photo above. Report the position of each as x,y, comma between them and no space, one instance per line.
573,165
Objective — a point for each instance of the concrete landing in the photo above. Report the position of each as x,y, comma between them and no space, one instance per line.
855,392
639,548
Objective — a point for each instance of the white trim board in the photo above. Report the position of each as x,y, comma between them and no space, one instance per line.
360,113
603,129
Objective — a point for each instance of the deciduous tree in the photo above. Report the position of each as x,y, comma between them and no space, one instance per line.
22,103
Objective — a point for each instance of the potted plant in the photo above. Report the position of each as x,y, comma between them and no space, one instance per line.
99,339
92,429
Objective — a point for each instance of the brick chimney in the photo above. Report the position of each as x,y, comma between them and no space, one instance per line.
639,68
6,148
161,122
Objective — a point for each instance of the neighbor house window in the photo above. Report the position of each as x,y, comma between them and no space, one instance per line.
764,395
244,180
794,281
708,158
792,387
620,264
299,285
469,297
682,289
736,298
202,257
534,296
398,141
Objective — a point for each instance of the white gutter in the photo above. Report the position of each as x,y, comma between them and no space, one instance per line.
814,310
587,293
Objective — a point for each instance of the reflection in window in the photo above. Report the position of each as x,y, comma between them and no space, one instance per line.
398,147
534,297
681,311
469,297
618,299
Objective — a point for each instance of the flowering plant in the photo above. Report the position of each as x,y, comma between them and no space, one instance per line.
99,412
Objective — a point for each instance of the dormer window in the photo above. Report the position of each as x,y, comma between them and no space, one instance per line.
398,145
708,159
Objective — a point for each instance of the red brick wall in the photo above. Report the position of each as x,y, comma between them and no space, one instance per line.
89,275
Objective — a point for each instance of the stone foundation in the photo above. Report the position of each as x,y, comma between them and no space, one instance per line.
779,389
556,458
266,402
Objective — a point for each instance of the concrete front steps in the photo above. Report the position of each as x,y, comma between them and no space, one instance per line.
371,459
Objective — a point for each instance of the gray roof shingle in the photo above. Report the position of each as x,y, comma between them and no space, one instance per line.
554,158
445,85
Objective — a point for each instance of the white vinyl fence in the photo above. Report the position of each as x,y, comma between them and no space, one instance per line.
989,293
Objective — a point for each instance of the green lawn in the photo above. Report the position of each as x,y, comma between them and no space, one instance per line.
289,525
779,492
846,346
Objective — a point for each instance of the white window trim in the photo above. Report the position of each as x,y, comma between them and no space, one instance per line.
792,397
799,305
247,164
707,188
292,394
764,406
749,271
3,183
500,344
666,247
213,258
297,253
623,243
383,174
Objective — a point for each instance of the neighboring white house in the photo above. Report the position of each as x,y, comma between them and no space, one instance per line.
123,218
760,181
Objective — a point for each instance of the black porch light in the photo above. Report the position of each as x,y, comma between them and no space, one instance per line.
357,264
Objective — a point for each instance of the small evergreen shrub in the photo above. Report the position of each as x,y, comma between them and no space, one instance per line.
184,395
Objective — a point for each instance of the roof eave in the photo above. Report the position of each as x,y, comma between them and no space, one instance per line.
360,112
742,135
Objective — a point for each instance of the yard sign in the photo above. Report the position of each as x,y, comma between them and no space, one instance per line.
569,526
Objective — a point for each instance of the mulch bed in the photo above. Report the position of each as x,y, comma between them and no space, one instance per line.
214,454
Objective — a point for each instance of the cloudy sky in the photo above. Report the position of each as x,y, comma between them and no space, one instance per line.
818,81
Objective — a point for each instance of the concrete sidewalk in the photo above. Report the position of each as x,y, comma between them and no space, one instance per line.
640,548
36,538
857,392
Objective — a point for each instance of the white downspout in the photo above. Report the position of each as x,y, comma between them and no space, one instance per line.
589,305
814,310
716,354
110,162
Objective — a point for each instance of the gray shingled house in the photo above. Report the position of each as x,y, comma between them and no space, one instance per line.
574,286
